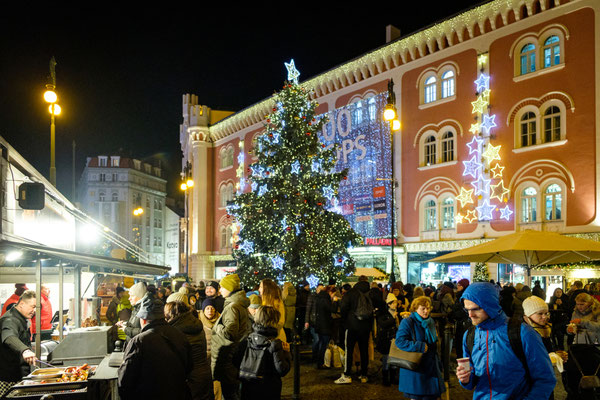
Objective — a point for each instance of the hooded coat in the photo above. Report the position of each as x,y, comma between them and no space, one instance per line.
349,305
496,372
200,378
230,329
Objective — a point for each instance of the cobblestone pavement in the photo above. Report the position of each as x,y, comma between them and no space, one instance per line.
319,384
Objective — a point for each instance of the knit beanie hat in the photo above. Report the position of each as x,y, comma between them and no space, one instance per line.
20,288
255,301
208,302
534,304
390,298
138,290
464,283
231,282
178,296
184,290
151,309
213,284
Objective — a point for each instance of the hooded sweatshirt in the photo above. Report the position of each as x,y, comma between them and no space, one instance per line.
496,371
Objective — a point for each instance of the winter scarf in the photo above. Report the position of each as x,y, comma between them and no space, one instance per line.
429,326
544,330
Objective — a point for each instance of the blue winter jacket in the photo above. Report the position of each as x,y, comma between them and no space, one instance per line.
496,372
428,380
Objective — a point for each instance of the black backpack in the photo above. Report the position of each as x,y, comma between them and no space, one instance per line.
253,365
364,308
514,337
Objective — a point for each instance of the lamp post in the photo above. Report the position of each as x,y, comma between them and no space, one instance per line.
137,213
51,98
185,186
390,114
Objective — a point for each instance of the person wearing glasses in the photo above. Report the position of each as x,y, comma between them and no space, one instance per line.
495,370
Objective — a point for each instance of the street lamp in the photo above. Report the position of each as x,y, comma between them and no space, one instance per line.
138,214
51,97
187,185
391,115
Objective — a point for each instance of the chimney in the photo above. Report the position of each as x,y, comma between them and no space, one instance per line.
391,33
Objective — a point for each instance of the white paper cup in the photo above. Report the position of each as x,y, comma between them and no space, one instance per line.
464,362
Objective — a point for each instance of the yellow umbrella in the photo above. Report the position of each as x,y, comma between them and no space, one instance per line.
529,248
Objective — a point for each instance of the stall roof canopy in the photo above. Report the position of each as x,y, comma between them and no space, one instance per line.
22,258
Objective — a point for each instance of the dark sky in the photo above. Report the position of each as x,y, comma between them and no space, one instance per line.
121,72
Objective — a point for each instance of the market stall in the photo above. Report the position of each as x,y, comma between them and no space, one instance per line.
77,346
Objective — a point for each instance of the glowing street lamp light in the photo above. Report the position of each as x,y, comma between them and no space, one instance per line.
51,97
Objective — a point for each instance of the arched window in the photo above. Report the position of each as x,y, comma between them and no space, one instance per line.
430,156
553,202
358,113
115,196
447,147
101,196
447,212
527,58
226,155
551,51
225,237
226,194
372,109
448,84
529,205
552,124
430,215
528,129
430,89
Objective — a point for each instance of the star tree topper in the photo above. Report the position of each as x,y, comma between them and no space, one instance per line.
293,73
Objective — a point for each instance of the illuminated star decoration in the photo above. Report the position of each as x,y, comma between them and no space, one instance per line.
471,216
275,138
486,95
465,196
488,123
479,105
298,231
242,185
475,128
491,153
240,158
497,171
247,247
481,185
328,192
483,82
313,281
505,213
263,189
296,167
471,167
317,165
485,210
284,222
278,262
339,261
253,186
473,145
459,218
293,73
499,191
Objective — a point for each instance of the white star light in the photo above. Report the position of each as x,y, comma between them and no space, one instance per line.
471,167
247,247
296,167
317,165
328,192
339,261
293,73
483,82
240,158
275,139
262,190
481,185
313,281
278,262
505,213
473,145
485,211
253,186
488,123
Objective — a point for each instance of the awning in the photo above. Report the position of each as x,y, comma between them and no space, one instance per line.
25,263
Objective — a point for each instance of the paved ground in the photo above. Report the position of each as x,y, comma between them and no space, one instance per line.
318,384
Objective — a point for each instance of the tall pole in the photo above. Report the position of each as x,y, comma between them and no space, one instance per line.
187,234
392,101
73,195
54,109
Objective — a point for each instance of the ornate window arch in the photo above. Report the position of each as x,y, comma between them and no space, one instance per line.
448,83
554,196
225,193
430,89
226,156
528,200
437,145
429,214
430,150
447,212
527,58
448,147
527,126
225,234
437,85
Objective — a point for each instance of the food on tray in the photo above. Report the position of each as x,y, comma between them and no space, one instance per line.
74,374
88,322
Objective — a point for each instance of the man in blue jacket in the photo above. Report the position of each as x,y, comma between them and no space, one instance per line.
496,372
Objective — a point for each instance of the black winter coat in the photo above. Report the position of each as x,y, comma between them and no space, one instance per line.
156,364
324,322
277,365
349,305
200,377
133,326
12,365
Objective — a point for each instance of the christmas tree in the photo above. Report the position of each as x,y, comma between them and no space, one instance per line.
481,273
290,226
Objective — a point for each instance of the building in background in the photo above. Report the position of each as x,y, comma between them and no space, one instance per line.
499,108
112,187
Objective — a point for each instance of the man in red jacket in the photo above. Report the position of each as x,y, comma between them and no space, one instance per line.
46,315
14,298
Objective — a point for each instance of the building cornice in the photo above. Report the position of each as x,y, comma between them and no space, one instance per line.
452,31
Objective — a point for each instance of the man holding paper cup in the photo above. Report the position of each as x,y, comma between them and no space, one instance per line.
495,370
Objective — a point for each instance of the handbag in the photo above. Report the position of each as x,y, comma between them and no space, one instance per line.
410,360
587,381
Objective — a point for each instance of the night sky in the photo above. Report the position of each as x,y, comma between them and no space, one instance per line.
121,73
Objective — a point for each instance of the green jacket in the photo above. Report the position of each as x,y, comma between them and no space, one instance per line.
231,328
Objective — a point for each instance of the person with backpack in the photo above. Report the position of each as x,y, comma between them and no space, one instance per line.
507,358
357,312
387,324
265,360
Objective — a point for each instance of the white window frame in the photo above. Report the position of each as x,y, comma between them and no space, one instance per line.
446,206
448,83
545,194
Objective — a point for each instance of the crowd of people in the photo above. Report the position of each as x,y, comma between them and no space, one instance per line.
218,340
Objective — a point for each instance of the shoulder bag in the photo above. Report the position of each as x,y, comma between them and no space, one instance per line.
410,360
